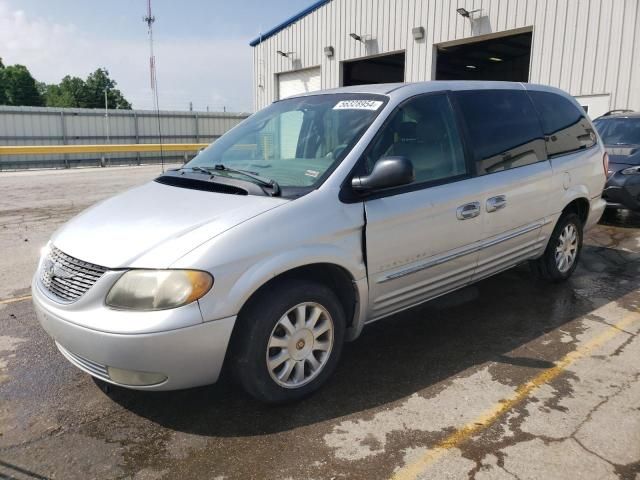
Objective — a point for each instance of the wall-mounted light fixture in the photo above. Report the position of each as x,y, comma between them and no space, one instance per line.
328,52
283,54
418,33
356,37
466,13
471,67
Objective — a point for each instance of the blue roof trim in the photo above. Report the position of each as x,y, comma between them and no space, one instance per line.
288,22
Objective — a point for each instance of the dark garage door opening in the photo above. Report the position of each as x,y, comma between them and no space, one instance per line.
504,58
383,69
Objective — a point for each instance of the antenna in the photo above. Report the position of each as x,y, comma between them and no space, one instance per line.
149,19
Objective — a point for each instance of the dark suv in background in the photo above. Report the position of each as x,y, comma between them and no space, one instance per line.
620,133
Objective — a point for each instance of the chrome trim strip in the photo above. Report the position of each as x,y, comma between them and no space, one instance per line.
515,234
427,283
432,263
471,249
509,259
422,290
515,257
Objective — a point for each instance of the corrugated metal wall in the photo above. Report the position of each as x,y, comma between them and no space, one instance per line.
80,126
587,47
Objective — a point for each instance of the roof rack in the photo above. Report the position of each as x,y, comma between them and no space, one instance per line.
614,112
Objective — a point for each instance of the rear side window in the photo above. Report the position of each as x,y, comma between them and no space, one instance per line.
565,126
504,130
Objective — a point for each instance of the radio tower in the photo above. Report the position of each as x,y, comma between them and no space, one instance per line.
149,19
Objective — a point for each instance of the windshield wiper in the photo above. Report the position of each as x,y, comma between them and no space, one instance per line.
263,181
267,182
202,170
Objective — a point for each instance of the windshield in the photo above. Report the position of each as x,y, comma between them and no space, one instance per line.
619,131
295,142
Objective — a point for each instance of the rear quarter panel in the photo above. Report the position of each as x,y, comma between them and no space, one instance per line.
577,175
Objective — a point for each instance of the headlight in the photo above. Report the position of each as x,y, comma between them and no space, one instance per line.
631,170
158,289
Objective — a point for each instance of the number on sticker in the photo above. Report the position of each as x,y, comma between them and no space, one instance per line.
358,105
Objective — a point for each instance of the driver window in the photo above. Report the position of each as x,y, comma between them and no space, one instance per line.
424,130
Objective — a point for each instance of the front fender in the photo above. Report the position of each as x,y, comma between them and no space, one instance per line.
310,230
261,273
271,267
230,295
234,284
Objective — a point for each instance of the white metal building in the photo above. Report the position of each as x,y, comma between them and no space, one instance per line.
590,48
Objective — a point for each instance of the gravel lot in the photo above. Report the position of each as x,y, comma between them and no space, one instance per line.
506,379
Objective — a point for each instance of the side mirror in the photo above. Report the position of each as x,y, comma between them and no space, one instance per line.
387,172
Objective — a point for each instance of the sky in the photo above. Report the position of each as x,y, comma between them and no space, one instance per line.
201,46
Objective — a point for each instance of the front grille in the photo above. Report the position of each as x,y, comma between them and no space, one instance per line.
68,278
94,368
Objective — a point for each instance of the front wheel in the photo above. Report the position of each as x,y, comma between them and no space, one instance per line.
289,341
560,258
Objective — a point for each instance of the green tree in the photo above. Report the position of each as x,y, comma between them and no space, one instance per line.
20,87
70,92
3,86
96,84
89,93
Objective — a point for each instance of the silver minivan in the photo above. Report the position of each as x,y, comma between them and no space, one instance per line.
312,218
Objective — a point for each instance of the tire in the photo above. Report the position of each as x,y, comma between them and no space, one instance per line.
301,360
552,269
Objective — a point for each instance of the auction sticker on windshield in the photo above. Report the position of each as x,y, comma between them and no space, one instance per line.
358,105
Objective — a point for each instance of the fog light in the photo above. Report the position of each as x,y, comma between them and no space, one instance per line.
134,378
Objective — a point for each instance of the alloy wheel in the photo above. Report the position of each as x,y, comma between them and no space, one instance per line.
300,345
567,248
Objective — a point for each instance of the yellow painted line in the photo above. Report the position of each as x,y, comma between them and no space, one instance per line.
113,148
413,470
14,300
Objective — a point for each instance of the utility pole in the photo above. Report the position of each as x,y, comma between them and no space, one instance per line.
103,160
149,19
106,115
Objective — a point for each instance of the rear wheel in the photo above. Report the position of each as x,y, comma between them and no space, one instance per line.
560,258
289,341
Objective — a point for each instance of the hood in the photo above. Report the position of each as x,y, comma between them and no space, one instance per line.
154,225
625,154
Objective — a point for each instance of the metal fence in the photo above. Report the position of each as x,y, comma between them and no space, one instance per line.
82,126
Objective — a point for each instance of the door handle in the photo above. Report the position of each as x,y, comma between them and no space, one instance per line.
496,203
468,210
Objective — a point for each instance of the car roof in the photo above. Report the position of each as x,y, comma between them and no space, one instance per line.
409,89
620,115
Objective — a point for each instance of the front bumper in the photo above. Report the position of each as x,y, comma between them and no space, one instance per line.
188,357
622,191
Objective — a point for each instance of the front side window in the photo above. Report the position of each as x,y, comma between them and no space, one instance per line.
295,142
565,126
619,131
424,130
504,130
